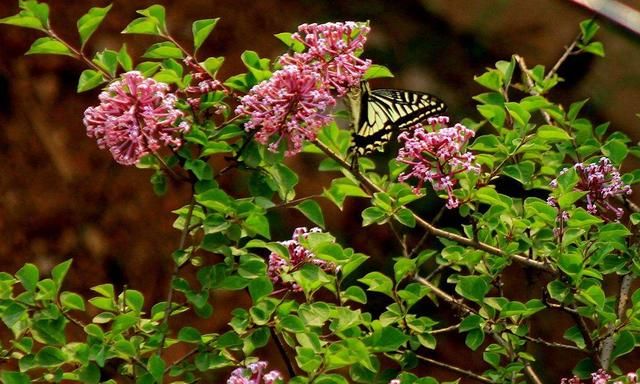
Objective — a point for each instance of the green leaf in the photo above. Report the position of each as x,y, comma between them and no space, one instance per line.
376,71
625,343
373,215
142,26
522,172
157,14
292,323
9,377
311,209
294,44
490,79
588,29
124,59
377,282
259,288
49,46
163,50
405,217
59,272
70,300
594,295
595,48
474,339
155,365
89,79
189,335
50,357
201,30
355,293
259,224
616,151
134,299
90,21
473,288
24,21
551,133
582,219
28,276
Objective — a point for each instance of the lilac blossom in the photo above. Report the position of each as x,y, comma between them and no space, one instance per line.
289,105
395,381
602,182
436,154
331,50
136,116
298,256
602,377
254,374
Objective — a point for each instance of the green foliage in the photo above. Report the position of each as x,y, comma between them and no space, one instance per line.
338,322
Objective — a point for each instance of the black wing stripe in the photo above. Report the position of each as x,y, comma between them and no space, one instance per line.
383,112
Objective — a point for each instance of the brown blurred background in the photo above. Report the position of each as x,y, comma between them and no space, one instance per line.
61,197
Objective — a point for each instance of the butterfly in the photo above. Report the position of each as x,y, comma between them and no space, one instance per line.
379,114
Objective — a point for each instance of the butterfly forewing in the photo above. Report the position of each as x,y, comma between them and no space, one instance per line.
385,112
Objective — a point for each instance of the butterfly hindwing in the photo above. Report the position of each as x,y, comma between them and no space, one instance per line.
385,112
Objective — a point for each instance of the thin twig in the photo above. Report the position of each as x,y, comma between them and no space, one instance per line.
283,353
551,344
445,329
445,296
455,369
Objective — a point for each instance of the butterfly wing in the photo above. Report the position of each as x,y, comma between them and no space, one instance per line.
385,112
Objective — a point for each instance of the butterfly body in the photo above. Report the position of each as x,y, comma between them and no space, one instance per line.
380,114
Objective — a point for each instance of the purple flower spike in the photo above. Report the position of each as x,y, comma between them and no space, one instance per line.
602,182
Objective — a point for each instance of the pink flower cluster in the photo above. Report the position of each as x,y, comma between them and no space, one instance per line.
602,377
437,155
298,256
292,104
253,374
136,116
201,83
332,50
602,182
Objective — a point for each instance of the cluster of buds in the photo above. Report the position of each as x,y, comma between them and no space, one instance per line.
136,116
201,83
436,154
602,377
292,105
255,374
298,256
602,182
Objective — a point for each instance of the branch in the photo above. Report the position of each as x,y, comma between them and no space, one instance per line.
283,353
608,344
445,296
437,231
176,270
455,369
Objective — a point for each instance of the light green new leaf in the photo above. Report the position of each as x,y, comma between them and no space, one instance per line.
90,21
49,46
201,30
